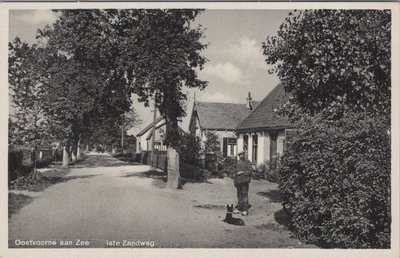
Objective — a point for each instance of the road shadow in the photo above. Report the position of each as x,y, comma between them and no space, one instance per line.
282,217
67,178
159,178
136,174
92,162
272,195
211,206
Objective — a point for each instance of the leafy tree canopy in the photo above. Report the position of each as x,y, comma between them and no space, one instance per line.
333,60
151,52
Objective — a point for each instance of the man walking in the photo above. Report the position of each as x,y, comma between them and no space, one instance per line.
241,180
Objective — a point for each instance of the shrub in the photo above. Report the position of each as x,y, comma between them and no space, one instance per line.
189,149
42,163
270,171
14,164
229,166
188,171
212,144
336,177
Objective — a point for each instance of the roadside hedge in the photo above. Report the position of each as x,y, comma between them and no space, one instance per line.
14,164
336,177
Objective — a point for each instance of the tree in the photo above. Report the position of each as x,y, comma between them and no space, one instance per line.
128,120
167,57
212,144
335,65
166,60
29,123
333,59
70,95
152,53
89,91
190,149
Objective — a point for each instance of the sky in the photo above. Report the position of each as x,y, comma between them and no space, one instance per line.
235,64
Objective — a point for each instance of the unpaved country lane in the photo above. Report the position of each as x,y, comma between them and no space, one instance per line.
108,200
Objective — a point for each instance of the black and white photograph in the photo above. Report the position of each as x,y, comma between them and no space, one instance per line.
195,127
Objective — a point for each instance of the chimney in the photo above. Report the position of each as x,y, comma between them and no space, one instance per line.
248,104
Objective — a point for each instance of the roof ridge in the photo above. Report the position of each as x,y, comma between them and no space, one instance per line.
214,102
270,97
148,127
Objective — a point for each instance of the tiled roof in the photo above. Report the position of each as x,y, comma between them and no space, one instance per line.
263,116
144,130
220,116
254,103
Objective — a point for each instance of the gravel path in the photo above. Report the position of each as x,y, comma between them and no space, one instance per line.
108,203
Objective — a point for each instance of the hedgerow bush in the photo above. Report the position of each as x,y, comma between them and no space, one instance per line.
229,166
189,149
336,177
14,164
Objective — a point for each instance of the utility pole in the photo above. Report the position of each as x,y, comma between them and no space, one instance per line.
153,132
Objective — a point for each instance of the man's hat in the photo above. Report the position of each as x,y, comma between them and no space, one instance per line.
240,152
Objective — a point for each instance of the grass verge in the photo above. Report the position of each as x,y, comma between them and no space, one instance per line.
16,202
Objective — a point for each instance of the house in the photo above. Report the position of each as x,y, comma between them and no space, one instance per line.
220,118
144,137
262,133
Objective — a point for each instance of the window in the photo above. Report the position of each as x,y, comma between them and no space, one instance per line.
254,154
228,146
245,144
273,150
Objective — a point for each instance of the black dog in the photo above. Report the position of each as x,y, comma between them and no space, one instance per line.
230,219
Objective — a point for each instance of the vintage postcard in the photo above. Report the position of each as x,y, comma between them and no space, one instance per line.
201,129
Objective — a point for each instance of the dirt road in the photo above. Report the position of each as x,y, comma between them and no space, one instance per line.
109,203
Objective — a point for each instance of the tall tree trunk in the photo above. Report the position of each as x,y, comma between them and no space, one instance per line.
87,147
65,160
173,168
153,133
113,150
73,155
69,150
78,152
172,139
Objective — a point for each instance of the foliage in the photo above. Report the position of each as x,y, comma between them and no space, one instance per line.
229,166
166,50
15,158
336,176
333,60
335,65
189,149
150,52
28,124
191,172
212,144
85,73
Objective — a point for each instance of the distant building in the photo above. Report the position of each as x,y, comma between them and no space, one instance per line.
262,133
144,137
220,118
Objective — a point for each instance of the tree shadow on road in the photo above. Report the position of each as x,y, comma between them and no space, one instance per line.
135,174
272,195
280,216
159,178
67,178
